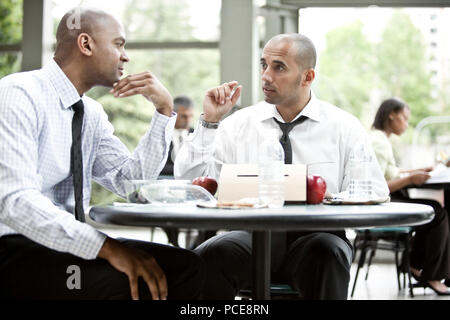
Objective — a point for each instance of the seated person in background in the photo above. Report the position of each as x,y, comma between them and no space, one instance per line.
55,140
184,108
317,263
430,253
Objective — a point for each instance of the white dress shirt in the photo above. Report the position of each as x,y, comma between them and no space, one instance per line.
323,142
35,177
179,135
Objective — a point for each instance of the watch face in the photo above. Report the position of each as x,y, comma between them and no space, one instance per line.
208,125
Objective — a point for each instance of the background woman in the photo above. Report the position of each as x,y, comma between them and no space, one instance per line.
430,253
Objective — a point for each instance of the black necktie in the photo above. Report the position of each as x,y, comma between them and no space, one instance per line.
284,140
278,243
76,159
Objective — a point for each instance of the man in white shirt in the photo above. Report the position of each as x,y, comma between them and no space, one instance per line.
55,140
316,264
184,108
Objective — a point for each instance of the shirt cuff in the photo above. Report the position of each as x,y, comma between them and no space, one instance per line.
163,119
163,126
89,242
203,136
158,114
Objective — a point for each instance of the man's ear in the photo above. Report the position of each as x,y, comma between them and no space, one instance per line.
85,44
310,75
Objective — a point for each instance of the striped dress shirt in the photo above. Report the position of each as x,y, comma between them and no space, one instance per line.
35,140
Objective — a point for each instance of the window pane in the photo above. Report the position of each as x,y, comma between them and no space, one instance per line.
366,55
183,72
157,20
9,63
172,20
10,21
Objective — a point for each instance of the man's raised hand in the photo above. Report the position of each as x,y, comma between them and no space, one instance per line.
218,101
149,86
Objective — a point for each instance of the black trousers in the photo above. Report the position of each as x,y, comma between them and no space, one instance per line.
317,265
31,271
430,247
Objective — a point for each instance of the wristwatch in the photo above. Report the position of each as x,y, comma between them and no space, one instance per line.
209,125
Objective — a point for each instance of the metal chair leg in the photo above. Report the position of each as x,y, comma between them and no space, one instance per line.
152,234
369,263
361,261
356,245
404,278
398,265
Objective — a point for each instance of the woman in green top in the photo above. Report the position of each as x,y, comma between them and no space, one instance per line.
430,253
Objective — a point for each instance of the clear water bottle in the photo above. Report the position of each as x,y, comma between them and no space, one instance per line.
271,171
360,186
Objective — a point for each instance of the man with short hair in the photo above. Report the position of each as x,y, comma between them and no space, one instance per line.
54,141
312,132
184,108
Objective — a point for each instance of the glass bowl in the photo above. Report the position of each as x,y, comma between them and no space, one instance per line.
166,192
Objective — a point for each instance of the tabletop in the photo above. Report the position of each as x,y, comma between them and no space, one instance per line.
289,217
445,185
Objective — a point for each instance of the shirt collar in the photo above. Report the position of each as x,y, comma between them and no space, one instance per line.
64,88
311,110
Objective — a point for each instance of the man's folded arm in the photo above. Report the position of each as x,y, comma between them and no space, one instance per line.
113,162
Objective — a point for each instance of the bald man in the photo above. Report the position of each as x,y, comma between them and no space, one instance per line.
55,140
316,264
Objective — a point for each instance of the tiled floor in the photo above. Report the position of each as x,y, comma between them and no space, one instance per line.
381,283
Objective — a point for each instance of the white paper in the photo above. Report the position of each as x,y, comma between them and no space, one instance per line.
440,174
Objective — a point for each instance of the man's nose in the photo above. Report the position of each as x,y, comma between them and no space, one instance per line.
266,75
124,57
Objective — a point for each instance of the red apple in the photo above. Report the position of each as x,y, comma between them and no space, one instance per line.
316,188
208,183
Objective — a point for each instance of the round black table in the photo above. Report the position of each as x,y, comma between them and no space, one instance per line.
262,221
